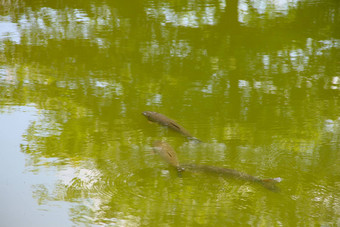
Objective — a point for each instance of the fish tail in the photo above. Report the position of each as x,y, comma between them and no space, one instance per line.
271,183
194,139
179,171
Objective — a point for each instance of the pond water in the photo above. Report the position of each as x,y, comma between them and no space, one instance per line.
257,81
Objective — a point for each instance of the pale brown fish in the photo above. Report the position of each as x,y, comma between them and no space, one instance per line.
167,153
165,121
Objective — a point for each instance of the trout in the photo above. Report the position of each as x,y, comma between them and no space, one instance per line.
165,121
168,154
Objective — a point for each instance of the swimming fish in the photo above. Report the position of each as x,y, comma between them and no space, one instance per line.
164,120
267,183
167,153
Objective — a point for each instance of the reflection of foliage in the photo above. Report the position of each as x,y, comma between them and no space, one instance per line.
270,92
10,7
40,192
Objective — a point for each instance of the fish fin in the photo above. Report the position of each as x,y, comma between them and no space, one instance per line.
169,154
174,124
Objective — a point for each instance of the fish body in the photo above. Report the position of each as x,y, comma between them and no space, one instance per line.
165,121
167,153
267,183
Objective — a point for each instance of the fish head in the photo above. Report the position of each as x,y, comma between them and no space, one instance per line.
157,146
148,115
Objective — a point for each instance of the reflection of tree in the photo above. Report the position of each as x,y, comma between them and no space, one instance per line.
93,67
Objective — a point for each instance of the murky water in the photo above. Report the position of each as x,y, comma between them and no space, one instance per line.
257,81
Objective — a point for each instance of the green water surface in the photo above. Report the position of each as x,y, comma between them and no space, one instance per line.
257,81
